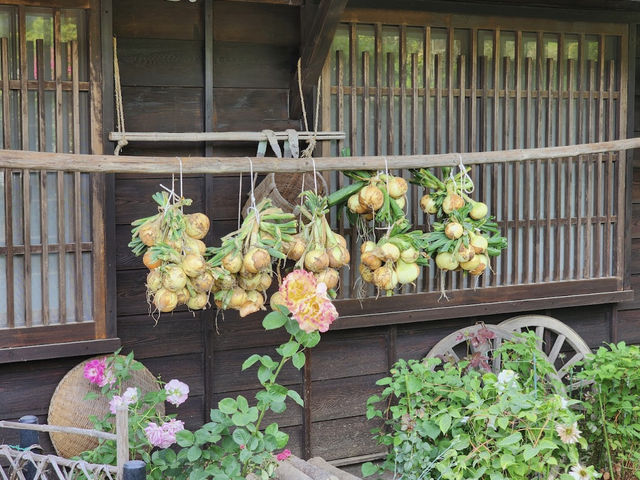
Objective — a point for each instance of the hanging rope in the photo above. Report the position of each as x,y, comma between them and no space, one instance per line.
252,194
118,94
308,152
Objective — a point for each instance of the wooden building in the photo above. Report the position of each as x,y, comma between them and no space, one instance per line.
530,74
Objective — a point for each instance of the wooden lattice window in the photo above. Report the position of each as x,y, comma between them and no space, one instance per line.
51,225
404,83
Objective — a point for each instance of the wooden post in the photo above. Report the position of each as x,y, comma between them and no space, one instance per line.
134,470
29,438
122,438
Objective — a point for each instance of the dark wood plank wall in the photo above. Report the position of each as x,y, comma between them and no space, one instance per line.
161,51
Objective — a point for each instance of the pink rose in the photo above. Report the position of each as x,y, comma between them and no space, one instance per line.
282,456
107,378
177,392
158,437
114,403
173,426
94,371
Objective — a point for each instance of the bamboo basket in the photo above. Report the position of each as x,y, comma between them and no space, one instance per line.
68,408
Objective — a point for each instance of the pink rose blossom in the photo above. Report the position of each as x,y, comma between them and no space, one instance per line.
114,403
107,378
177,392
308,302
282,456
94,370
130,396
173,426
159,437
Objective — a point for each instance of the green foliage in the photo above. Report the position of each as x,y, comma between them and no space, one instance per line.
612,412
450,422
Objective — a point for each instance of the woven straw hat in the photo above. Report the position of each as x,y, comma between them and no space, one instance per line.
68,407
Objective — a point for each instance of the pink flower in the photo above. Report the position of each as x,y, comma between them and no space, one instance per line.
282,456
173,426
177,392
130,396
94,370
114,403
108,378
308,302
159,437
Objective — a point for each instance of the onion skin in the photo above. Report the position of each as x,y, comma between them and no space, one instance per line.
183,296
256,260
446,261
238,298
428,205
397,187
484,264
254,302
203,283
154,281
479,211
249,282
340,239
277,300
383,277
367,246
296,250
174,278
366,273
451,203
198,302
453,230
191,245
464,254
371,260
407,272
149,262
149,233
193,265
316,260
371,198
197,225
330,277
472,264
401,202
265,282
354,204
232,262
410,255
165,300
390,252
479,244
338,256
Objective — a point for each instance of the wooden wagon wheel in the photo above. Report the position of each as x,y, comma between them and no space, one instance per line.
566,338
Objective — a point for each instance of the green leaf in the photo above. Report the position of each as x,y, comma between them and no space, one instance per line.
295,396
510,440
530,452
264,374
282,439
444,423
242,403
413,384
278,407
274,320
506,459
250,361
288,349
185,438
228,406
369,469
194,453
241,436
298,360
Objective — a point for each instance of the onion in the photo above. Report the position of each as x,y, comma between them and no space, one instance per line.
174,278
354,204
428,205
371,260
401,202
390,252
296,249
452,202
464,254
368,216
277,300
330,277
479,211
366,273
177,245
232,262
193,265
154,281
472,264
371,198
340,239
254,302
256,260
367,246
222,278
198,302
191,245
484,264
316,260
149,232
479,243
397,187
446,261
203,283
183,296
385,278
409,255
407,272
149,262
453,230
265,282
197,225
165,300
238,298
249,282
338,256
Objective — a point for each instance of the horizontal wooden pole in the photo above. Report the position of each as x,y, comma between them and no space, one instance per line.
19,159
57,429
217,136
6,450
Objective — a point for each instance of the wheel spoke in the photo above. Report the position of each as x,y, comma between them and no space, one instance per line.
565,368
557,346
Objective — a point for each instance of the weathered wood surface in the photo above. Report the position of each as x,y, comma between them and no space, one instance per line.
218,136
230,165
56,428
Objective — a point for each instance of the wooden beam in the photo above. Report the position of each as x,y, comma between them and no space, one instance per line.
21,159
290,3
316,40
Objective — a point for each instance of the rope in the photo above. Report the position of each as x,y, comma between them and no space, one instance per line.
118,94
464,176
308,152
252,194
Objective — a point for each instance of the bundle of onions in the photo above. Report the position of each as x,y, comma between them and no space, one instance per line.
172,249
316,248
395,260
242,266
372,195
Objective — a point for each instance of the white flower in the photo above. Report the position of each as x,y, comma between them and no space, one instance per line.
177,392
569,433
506,380
130,395
580,473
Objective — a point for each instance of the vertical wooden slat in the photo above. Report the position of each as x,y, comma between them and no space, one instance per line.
62,280
42,140
6,93
539,86
450,99
537,246
492,170
529,104
597,213
8,229
23,76
26,228
427,89
550,92
593,128
340,178
527,267
570,92
561,74
484,170
591,125
77,193
462,104
621,227
548,274
557,275
560,163
518,165
581,87
62,264
379,61
58,80
507,199
42,144
353,97
603,77
608,194
437,72
578,257
623,202
567,211
611,116
414,106
390,103
403,91
366,97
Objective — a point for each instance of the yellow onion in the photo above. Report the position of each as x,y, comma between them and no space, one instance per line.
446,261
183,296
149,232
368,216
149,262
472,264
340,239
165,300
192,245
237,298
354,204
249,282
390,252
203,283
409,255
338,256
256,260
198,301
316,260
330,277
154,281
277,300
176,244
453,230
366,273
232,262
478,211
222,278
397,187
265,281
464,254
482,266
296,248
479,243
407,272
451,203
371,260
371,198
197,225
193,265
174,278
401,202
367,246
254,302
385,278
428,204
